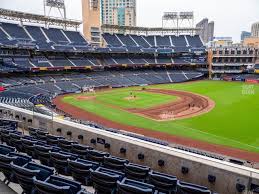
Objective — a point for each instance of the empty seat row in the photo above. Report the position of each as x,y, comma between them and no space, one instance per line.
43,38
33,177
120,40
107,174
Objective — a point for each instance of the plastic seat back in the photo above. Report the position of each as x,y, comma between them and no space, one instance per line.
57,185
186,188
80,170
136,187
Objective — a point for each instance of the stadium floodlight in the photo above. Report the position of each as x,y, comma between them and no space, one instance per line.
55,3
186,15
170,16
178,20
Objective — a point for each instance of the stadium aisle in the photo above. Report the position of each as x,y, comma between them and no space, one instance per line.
4,189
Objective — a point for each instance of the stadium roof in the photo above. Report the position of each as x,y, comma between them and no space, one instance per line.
39,19
146,30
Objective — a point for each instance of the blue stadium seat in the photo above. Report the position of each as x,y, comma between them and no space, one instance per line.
15,140
179,41
53,140
36,33
126,40
112,40
4,149
188,188
3,37
104,180
60,161
57,185
42,134
28,145
61,62
96,156
140,41
8,124
25,174
5,164
127,186
80,150
56,35
163,41
80,170
15,31
136,172
114,163
150,40
43,153
5,134
65,145
75,37
132,49
32,132
163,182
22,62
194,41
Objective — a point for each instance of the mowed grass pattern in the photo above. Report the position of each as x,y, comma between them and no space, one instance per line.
233,122
143,99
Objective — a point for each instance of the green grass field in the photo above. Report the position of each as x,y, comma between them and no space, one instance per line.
144,99
233,122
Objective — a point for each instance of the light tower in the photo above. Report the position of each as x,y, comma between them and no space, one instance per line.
49,5
178,20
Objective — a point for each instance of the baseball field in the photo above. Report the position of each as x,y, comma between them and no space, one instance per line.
218,113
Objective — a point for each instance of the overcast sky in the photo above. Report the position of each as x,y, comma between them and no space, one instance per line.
230,16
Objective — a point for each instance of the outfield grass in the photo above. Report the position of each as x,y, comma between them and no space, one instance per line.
233,122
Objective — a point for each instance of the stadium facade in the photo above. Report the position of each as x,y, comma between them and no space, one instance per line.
234,62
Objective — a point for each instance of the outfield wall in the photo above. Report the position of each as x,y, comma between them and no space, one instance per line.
227,175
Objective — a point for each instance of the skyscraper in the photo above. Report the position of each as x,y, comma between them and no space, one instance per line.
207,30
118,12
113,12
255,29
210,31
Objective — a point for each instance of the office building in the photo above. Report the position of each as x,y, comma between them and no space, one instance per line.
112,12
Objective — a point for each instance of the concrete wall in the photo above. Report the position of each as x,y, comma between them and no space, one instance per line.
227,174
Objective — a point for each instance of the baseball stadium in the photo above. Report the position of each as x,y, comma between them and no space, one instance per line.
123,109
